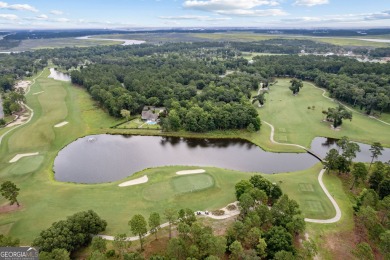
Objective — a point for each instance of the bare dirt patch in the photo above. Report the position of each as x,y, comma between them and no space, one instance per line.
9,208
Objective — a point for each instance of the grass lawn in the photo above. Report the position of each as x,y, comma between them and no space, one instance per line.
138,123
295,123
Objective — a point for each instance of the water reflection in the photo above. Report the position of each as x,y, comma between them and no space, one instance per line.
112,158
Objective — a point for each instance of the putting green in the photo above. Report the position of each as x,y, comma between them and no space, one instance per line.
25,165
192,183
177,185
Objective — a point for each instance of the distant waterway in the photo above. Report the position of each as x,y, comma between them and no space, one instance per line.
57,75
125,42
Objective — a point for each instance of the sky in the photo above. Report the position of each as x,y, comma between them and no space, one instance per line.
53,14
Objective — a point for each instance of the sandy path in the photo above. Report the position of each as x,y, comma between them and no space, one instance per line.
143,179
334,203
228,214
61,124
190,172
21,155
37,93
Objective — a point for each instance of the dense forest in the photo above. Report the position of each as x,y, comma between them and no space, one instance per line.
189,77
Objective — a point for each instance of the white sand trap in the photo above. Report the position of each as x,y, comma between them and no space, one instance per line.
19,156
37,93
61,124
143,179
190,172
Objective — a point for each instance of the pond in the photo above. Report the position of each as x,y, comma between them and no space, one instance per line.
105,158
57,75
321,145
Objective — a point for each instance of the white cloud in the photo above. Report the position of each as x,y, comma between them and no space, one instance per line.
215,5
42,17
236,7
251,12
61,20
346,18
311,2
19,7
195,17
56,12
9,17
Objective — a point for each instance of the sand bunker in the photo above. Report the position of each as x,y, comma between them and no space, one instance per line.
61,124
37,93
19,156
190,172
141,180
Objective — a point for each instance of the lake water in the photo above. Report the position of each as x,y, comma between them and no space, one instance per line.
105,158
125,42
54,74
321,146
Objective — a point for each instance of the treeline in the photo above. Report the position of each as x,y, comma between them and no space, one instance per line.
266,228
370,188
286,46
366,85
196,97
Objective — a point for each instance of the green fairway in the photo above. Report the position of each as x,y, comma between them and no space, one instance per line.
295,123
45,201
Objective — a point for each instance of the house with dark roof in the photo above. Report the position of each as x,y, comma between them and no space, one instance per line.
151,113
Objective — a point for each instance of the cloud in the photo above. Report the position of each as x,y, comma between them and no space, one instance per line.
236,7
216,5
311,2
195,17
256,12
56,12
378,16
61,20
346,18
19,7
42,17
11,17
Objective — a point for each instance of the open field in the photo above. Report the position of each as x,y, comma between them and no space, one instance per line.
244,37
47,200
295,123
27,45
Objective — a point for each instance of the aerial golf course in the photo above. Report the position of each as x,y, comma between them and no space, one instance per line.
45,200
